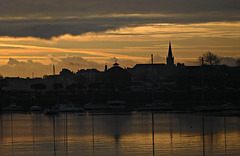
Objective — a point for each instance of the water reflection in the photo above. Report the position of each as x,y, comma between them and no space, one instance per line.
12,132
93,135
153,133
66,134
203,134
115,134
225,134
54,136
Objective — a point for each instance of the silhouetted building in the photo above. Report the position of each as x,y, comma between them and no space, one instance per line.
212,77
21,84
157,75
148,72
117,78
90,75
170,58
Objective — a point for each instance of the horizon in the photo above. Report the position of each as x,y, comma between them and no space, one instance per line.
231,62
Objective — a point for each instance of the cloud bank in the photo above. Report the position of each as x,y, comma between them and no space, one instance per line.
52,18
15,68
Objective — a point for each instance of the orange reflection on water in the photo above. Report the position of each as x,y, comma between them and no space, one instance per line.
132,134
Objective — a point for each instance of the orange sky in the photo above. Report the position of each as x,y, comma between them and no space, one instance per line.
131,34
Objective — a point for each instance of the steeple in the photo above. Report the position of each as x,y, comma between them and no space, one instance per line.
170,58
170,50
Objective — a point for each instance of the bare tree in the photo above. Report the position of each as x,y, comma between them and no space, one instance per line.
210,58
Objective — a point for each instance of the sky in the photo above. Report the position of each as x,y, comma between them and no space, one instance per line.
80,34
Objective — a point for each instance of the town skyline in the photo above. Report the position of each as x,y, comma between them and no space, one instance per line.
30,68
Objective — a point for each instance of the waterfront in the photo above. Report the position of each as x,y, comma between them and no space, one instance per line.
119,134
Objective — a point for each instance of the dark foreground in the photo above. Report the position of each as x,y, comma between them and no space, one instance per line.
180,100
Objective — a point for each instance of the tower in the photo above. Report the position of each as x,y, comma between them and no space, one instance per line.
53,69
170,58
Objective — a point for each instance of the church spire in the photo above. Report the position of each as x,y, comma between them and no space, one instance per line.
170,50
170,58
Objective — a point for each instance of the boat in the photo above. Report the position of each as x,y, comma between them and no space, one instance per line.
206,108
156,106
95,106
116,105
13,107
36,108
70,108
151,107
50,110
229,106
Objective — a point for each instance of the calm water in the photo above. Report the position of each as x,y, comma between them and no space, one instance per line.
126,134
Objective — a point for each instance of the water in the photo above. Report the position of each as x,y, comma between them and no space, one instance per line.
119,134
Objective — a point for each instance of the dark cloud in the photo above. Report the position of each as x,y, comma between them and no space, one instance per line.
159,59
60,8
13,61
124,63
228,61
76,63
48,18
16,68
49,28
